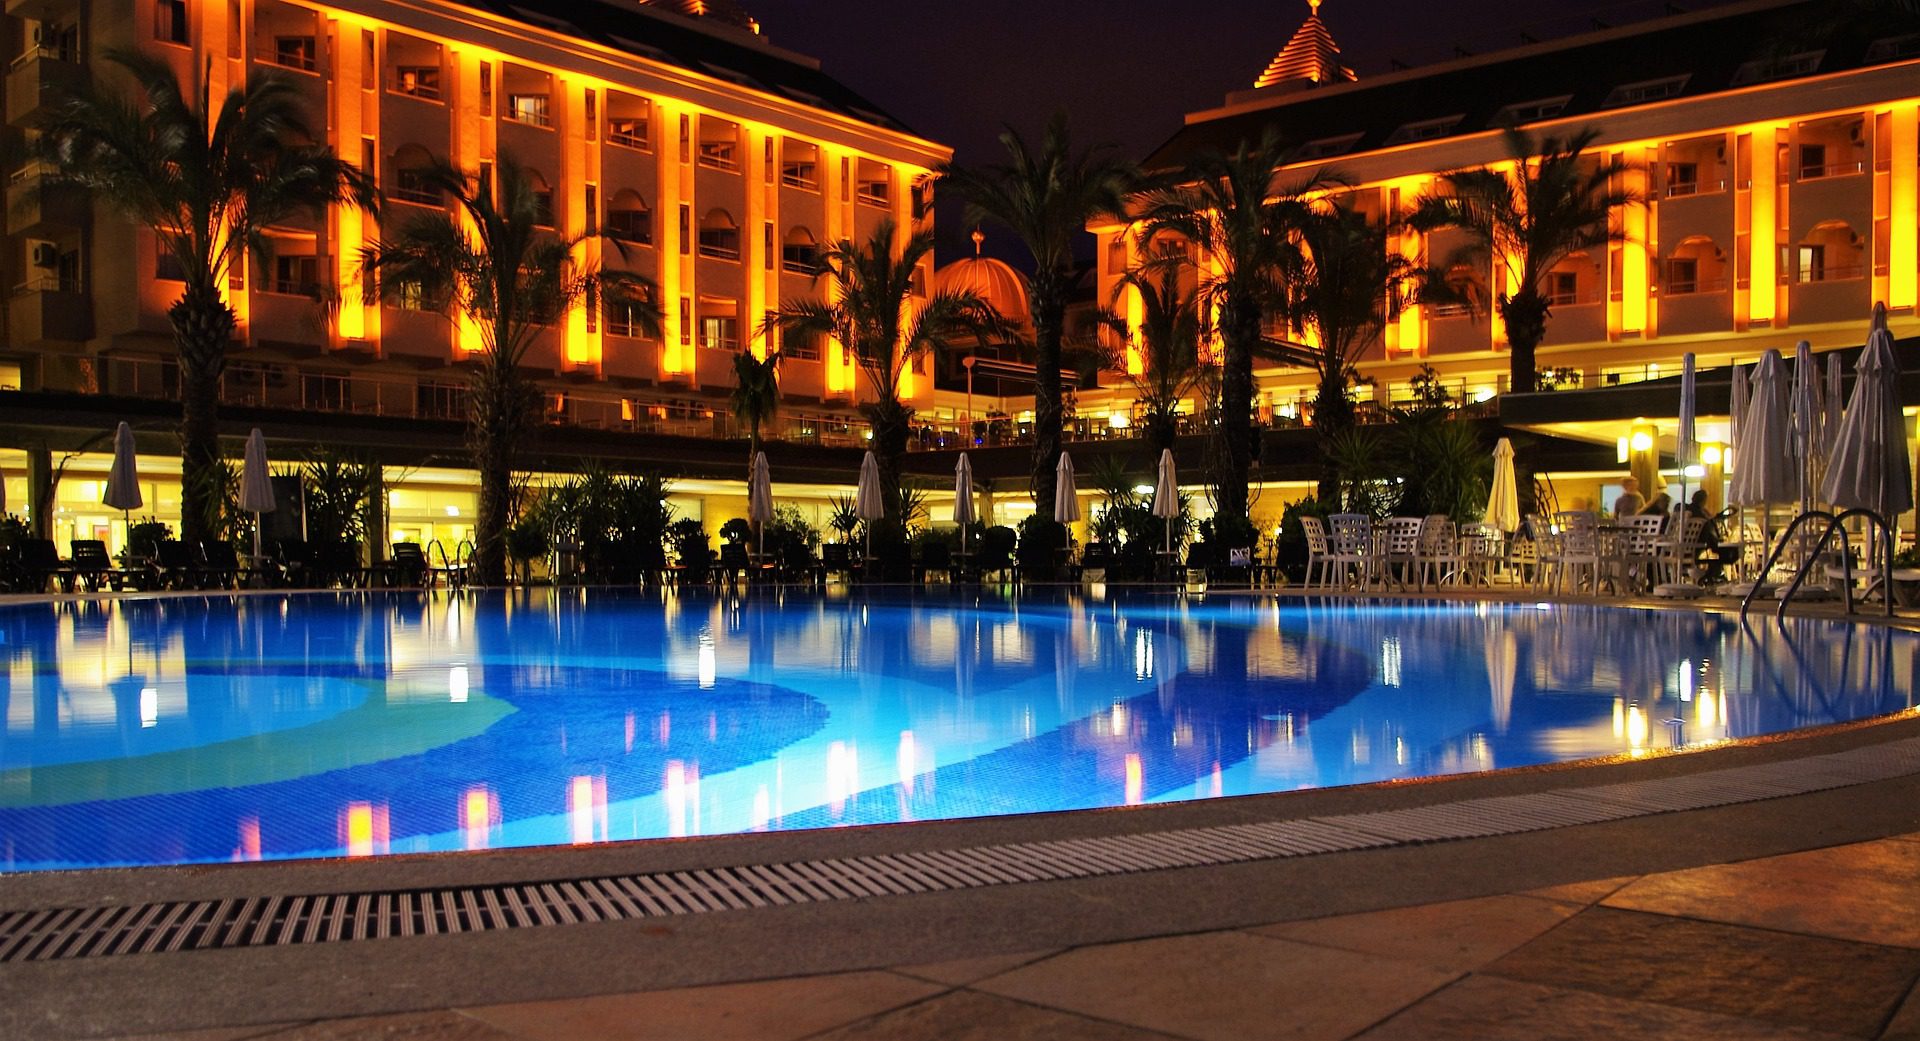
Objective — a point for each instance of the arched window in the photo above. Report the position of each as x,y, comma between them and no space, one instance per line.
719,236
1468,286
629,220
1696,266
411,183
1830,252
799,253
1572,281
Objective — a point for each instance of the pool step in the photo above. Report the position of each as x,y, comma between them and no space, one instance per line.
271,921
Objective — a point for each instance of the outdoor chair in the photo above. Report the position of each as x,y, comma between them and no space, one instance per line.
1097,561
408,565
1439,552
219,564
1574,551
40,561
1352,545
1319,552
336,564
1677,555
92,566
798,564
1641,547
174,565
293,558
1199,559
1481,554
455,569
1400,550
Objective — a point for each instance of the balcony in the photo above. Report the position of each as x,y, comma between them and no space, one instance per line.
45,308
36,208
37,79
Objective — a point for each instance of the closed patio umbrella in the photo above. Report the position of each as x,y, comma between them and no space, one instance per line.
256,484
1835,406
1685,449
760,498
123,481
1736,407
1066,498
1870,468
1166,494
963,497
1805,414
1765,473
867,501
1503,502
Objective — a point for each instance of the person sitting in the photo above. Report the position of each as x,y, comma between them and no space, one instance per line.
1660,505
1715,554
1630,501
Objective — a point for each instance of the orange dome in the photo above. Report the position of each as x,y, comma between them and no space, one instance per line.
992,280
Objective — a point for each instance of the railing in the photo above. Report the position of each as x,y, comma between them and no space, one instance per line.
70,55
49,284
800,176
302,61
1815,173
1694,287
719,249
1829,273
874,194
631,138
528,115
417,196
1686,189
717,157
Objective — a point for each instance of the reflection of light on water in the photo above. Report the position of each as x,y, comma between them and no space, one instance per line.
149,706
629,744
1710,710
682,793
906,760
478,811
1362,747
1619,719
709,667
1686,680
762,809
249,848
843,775
457,684
587,809
1142,654
1636,728
1390,661
364,829
1117,720
1399,751
1136,780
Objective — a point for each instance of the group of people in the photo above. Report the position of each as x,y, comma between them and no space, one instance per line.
1714,555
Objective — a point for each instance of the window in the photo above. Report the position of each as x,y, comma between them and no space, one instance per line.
413,297
530,109
296,275
1425,130
369,158
486,179
686,232
170,21
413,177
1325,148
629,220
1894,48
720,332
1682,179
167,267
1767,69
686,139
439,400
486,87
593,116
625,317
630,132
874,192
1644,91
718,155
719,236
542,205
593,209
1812,266
1531,111
686,321
799,173
1683,276
369,79
294,52
766,245
417,81
1563,287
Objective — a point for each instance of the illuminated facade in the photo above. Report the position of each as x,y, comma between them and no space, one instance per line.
1780,186
719,162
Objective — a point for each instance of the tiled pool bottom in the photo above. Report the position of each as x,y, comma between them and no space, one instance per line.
206,730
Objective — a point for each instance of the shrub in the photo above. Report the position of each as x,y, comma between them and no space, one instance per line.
1040,543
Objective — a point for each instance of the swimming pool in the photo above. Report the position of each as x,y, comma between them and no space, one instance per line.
198,730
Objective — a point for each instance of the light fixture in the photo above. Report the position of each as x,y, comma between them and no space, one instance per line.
453,511
1623,453
1642,441
1710,455
1695,472
1143,489
1117,420
1483,394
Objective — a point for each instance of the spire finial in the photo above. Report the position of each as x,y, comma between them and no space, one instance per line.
978,238
1315,7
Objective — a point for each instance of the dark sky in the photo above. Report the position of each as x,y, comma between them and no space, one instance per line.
1125,71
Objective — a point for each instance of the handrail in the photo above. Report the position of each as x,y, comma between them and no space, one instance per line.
1834,522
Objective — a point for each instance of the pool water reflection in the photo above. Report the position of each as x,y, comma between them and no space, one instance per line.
169,731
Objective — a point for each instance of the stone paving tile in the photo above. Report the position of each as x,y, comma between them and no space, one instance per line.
967,1015
1582,893
1783,978
770,1010
961,971
1457,936
1905,1025
1484,1008
1227,985
1852,892
444,1025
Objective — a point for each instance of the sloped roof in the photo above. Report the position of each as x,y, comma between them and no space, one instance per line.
1688,56
1309,59
711,44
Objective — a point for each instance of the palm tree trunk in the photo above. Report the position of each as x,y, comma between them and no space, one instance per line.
1525,314
890,419
1332,414
1239,331
202,328
497,420
1048,316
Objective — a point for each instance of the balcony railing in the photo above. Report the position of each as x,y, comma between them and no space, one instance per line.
1694,287
632,136
1686,189
1846,169
1829,273
718,157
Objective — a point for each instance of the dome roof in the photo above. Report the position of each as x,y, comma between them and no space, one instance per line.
990,279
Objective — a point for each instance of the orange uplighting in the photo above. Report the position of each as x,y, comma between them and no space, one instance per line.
1903,177
363,828
479,814
1634,283
1763,223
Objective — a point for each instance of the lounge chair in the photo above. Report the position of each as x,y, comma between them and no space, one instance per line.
220,564
408,565
92,566
40,561
174,566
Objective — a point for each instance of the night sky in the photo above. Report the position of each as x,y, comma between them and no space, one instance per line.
1125,71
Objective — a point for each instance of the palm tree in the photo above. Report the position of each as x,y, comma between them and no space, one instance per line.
1046,198
1229,208
1558,201
870,308
1169,337
756,393
207,184
491,261
1340,294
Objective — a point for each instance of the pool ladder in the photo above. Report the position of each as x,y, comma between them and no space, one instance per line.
1833,523
456,568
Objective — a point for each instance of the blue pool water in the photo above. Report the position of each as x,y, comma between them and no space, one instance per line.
169,731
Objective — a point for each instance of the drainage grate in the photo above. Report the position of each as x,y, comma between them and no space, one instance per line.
270,921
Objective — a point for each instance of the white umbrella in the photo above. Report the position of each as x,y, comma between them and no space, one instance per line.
760,497
1685,450
1166,494
1764,475
867,502
1066,498
256,484
1503,502
1835,406
1870,469
1806,421
1736,406
963,497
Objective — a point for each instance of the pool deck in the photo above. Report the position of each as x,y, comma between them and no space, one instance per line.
1787,917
